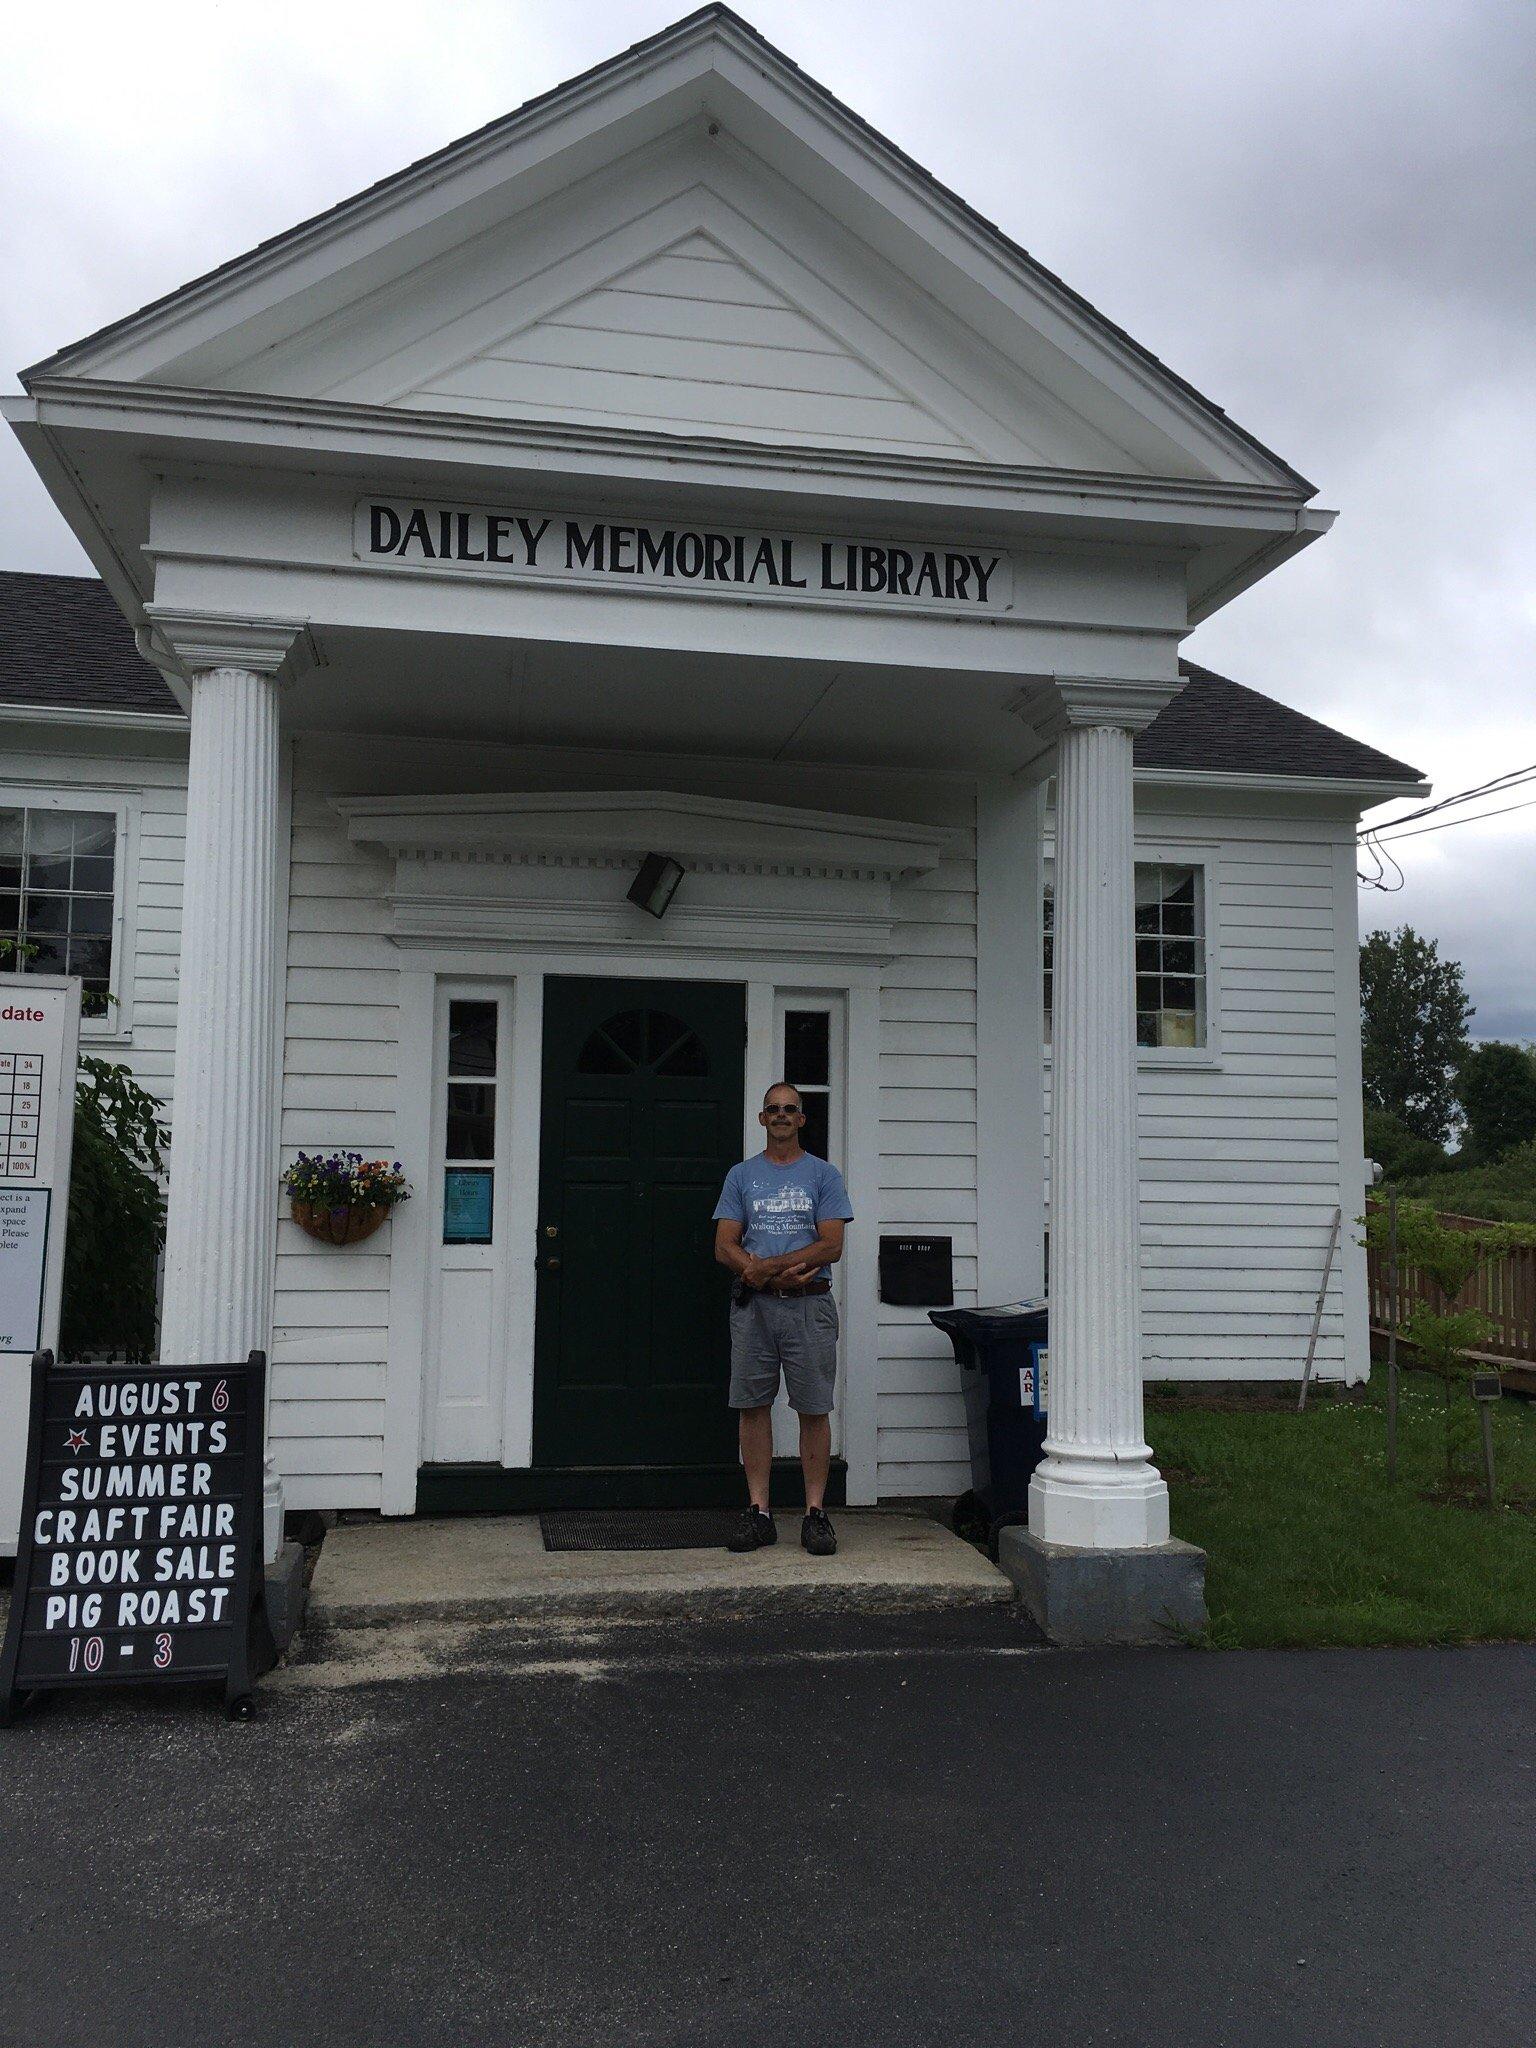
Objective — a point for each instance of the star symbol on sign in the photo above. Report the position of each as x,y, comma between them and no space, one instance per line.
75,1441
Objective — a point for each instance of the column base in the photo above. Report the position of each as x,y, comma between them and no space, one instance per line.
1079,1598
1094,1502
285,1594
271,1513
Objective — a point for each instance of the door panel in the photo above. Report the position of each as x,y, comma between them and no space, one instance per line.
642,1117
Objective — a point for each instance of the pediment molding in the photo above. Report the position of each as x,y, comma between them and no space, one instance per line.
599,828
550,869
714,79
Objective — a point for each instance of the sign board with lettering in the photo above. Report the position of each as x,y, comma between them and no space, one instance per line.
917,1272
39,1044
140,1551
1035,1381
544,547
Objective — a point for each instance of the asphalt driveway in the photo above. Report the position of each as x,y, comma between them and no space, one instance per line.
839,1832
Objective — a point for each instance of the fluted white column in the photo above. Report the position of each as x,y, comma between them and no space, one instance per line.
221,1223
1096,1487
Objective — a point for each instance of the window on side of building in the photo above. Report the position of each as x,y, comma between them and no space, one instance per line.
1170,965
59,874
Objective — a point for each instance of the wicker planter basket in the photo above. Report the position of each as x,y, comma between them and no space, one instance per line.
338,1226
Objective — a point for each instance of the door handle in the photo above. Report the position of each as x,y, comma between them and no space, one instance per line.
552,1264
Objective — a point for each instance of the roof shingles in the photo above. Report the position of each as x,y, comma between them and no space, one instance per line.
64,645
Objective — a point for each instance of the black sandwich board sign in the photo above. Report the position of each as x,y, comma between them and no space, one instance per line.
140,1556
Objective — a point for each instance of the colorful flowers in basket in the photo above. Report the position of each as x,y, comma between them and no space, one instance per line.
343,1197
345,1180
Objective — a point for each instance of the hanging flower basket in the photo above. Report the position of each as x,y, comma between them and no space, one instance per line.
344,1225
342,1198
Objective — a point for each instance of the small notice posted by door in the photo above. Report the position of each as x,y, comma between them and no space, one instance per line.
23,1266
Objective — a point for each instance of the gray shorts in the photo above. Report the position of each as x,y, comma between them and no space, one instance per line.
800,1335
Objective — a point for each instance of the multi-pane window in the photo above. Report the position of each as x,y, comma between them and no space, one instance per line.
807,1065
469,1145
1170,965
57,897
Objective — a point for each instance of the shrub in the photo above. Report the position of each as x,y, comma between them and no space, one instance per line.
116,1216
1503,1193
1396,1149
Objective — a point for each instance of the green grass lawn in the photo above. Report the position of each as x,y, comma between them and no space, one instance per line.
1309,1545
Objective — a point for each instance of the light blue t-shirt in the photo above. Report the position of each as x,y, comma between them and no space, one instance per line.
781,1208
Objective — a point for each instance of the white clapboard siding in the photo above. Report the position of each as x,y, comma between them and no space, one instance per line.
690,339
340,1088
928,1157
1241,1165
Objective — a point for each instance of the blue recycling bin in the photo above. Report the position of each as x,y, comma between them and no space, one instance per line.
1003,1355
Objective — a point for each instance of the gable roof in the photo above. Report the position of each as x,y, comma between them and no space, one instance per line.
64,645
1221,727
716,37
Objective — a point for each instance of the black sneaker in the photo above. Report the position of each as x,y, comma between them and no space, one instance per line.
817,1534
755,1531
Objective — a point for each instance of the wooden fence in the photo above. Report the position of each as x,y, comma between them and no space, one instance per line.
1505,1291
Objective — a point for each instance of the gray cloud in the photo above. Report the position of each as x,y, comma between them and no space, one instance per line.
1319,213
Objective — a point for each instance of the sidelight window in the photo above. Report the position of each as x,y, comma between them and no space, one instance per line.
469,1147
806,1062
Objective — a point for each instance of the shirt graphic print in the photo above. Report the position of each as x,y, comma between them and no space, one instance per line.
781,1208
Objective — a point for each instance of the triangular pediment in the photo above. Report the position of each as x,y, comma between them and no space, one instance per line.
692,340
693,240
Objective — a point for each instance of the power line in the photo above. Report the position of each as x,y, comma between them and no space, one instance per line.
1512,778
1389,834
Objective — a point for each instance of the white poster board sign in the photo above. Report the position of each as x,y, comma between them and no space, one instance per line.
39,1048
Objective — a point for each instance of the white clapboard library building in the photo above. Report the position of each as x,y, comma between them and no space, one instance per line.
675,468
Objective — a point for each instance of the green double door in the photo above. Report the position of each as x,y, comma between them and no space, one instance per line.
642,1118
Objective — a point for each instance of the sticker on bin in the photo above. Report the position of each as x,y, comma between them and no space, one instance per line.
1035,1379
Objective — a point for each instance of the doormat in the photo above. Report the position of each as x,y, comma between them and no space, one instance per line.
638,1528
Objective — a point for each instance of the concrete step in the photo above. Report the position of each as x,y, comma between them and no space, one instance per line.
495,1568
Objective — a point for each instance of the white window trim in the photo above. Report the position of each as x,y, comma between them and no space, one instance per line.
834,1007
1176,853
116,1028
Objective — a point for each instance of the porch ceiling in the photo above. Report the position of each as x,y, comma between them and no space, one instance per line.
531,693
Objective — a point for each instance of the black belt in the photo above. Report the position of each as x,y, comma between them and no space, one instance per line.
745,1293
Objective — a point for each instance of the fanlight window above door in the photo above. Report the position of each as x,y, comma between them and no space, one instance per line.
645,1041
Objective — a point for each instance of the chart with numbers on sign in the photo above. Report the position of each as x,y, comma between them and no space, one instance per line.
21,1095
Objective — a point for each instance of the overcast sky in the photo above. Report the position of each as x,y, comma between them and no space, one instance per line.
1320,213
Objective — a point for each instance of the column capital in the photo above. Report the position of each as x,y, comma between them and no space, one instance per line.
199,641
1124,703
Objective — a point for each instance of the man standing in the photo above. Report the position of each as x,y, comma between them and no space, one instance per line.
779,1227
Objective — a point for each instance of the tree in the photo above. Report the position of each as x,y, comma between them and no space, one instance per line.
1497,1085
1396,1150
116,1216
1413,1018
